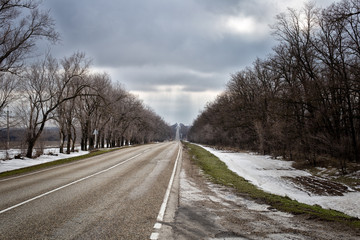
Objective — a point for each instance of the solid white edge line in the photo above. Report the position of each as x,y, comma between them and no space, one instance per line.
160,217
67,185
167,194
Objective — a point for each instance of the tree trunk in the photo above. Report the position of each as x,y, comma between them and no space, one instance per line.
30,147
103,141
33,136
62,140
83,144
84,141
73,140
68,144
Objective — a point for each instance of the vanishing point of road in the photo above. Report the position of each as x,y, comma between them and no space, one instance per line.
118,195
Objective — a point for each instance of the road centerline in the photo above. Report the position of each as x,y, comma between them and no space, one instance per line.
46,169
69,184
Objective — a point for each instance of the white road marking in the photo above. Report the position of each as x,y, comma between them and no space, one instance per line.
157,225
154,236
160,217
69,184
47,169
40,171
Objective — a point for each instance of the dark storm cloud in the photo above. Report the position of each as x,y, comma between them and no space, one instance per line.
154,45
135,33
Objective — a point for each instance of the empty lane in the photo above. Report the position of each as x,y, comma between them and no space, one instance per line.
114,196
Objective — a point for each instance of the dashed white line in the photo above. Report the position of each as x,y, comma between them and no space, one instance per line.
69,184
44,170
154,236
157,225
40,171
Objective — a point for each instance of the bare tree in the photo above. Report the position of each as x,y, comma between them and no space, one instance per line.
92,106
8,84
114,96
303,99
74,72
45,90
22,23
125,116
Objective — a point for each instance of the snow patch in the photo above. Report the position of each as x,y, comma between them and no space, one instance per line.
7,165
268,174
189,192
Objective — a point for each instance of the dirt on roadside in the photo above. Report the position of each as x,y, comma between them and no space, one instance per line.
319,186
209,211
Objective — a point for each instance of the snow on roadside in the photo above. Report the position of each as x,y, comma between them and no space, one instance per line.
7,165
267,174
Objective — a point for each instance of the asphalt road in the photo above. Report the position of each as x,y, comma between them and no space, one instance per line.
113,196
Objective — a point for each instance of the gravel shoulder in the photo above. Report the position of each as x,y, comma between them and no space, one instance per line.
208,211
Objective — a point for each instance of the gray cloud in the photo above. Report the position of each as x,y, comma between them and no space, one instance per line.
120,33
150,77
148,45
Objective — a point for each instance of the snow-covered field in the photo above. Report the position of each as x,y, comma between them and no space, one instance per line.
270,175
7,165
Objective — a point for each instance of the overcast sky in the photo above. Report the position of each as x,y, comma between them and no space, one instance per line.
175,55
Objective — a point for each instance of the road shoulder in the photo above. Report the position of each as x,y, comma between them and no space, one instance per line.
208,211
166,231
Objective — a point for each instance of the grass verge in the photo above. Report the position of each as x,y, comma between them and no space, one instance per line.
54,163
218,172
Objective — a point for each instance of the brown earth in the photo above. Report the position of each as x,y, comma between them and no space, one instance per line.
319,186
209,211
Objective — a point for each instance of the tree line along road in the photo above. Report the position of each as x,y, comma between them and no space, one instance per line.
117,195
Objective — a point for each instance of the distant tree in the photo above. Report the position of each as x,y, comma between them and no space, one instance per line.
91,108
73,74
183,131
303,101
